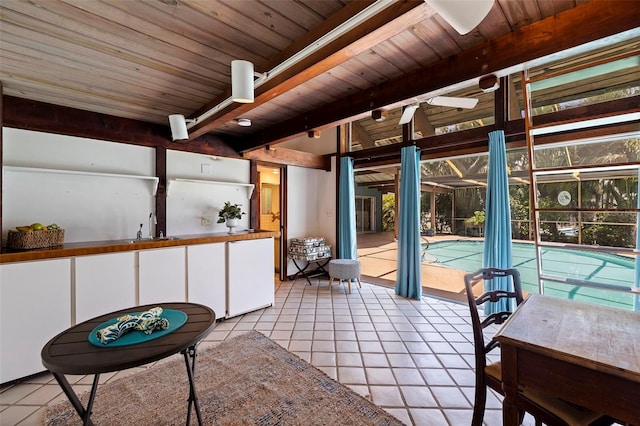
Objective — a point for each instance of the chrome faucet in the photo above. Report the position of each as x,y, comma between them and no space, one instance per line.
155,221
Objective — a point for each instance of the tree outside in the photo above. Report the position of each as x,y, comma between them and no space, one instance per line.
572,223
388,212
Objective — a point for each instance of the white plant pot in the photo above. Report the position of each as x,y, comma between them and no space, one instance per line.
232,223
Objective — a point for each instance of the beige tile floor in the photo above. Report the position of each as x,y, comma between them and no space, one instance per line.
413,358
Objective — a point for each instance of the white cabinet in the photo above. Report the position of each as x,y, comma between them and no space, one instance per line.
41,298
250,275
104,283
162,275
206,274
35,305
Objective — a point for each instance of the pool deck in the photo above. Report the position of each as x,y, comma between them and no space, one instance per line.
378,253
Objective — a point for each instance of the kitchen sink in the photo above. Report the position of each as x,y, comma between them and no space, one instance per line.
150,240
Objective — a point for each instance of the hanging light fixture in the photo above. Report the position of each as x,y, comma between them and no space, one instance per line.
178,125
242,81
462,15
245,75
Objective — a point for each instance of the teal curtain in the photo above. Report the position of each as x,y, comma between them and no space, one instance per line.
408,278
347,215
497,225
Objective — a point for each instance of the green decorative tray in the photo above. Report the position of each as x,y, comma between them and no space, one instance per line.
176,320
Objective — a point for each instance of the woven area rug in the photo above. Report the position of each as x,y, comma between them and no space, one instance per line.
246,380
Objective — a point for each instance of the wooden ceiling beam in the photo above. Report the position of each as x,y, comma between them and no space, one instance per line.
289,157
26,114
473,141
598,110
375,30
390,185
359,134
325,27
422,124
585,23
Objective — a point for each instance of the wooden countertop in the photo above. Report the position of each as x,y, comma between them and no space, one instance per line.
113,246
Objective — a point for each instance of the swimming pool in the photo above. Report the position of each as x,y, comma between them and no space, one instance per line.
465,255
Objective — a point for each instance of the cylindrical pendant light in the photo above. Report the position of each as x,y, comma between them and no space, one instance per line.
242,81
462,15
178,126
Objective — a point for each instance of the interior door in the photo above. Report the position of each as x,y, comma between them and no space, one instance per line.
272,210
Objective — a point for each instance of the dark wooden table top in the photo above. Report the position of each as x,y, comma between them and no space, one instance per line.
596,337
582,353
71,353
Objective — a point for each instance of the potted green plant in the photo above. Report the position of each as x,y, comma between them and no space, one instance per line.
477,219
476,222
230,214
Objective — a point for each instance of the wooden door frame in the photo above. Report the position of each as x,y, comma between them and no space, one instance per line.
255,208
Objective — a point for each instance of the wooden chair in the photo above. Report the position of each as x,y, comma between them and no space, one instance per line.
545,409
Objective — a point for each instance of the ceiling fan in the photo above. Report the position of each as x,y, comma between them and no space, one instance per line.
463,16
447,101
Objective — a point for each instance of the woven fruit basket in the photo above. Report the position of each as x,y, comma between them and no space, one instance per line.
35,239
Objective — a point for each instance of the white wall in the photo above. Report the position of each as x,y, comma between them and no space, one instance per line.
88,207
95,208
189,202
47,150
311,203
302,219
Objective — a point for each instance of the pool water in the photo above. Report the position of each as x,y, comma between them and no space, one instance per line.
612,269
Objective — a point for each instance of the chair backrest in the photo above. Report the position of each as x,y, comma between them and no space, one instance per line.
482,349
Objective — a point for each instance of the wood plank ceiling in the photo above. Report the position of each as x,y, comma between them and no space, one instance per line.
146,59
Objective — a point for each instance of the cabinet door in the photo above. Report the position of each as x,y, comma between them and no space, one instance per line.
206,272
162,275
104,283
35,305
250,275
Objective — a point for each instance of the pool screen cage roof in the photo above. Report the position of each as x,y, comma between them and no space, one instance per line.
613,157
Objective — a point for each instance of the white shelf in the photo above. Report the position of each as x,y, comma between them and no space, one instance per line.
248,186
153,179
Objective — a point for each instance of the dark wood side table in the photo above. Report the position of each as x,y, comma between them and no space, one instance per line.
71,353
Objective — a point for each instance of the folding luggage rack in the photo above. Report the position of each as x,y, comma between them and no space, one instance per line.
311,251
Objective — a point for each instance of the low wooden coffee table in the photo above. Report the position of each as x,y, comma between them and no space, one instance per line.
71,353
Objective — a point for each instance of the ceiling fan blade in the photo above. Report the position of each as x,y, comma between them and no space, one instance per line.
408,112
453,102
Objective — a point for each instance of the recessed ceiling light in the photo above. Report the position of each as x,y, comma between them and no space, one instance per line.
244,122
